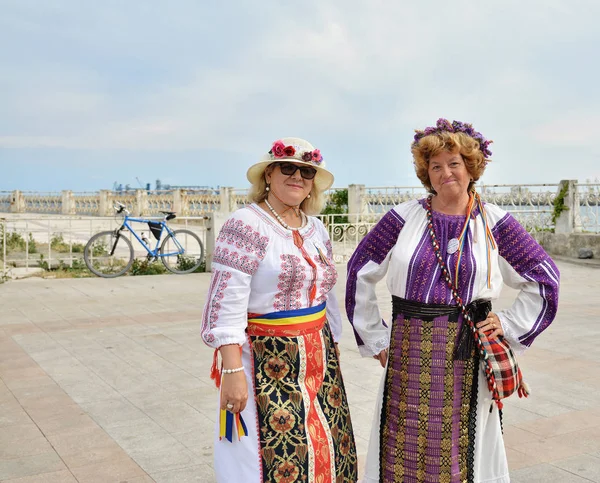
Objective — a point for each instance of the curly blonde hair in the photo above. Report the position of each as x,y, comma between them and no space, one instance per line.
311,206
434,144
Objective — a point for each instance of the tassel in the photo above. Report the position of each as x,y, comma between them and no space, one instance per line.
215,373
465,343
523,390
313,293
298,240
498,402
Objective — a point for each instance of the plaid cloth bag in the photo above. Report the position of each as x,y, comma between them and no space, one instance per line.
502,372
505,368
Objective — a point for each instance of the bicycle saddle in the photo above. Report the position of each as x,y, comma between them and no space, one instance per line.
170,215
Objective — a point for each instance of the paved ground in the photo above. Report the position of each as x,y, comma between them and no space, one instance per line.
107,380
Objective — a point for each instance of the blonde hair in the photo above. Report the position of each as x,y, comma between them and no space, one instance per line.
311,206
434,144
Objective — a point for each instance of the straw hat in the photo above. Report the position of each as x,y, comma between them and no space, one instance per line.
297,151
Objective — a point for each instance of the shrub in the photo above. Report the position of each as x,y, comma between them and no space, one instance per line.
146,267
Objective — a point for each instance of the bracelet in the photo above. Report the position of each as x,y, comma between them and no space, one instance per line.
231,371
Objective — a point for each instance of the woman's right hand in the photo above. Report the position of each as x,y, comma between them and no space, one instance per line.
382,357
234,391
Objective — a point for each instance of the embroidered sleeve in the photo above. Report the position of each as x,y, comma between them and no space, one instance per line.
367,266
239,249
527,267
330,276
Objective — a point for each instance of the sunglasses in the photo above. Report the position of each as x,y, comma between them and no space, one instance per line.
288,169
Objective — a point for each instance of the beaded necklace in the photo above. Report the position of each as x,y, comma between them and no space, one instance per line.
283,223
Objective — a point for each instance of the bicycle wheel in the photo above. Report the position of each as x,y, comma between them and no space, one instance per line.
108,254
181,251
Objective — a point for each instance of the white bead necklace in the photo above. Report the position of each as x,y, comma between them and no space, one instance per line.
283,223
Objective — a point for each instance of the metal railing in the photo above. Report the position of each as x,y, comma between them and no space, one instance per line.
50,240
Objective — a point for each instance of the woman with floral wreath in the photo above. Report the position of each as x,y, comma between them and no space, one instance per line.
272,315
438,414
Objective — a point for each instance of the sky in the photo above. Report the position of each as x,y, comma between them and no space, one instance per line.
193,92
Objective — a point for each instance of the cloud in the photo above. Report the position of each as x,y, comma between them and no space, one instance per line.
356,77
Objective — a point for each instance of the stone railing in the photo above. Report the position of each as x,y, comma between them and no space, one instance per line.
533,204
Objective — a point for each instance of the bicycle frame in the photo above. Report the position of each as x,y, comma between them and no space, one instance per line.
163,227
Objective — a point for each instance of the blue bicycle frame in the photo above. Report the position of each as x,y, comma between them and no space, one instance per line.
163,227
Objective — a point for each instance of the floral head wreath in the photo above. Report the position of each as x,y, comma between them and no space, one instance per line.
280,150
455,127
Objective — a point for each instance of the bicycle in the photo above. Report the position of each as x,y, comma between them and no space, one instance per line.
109,254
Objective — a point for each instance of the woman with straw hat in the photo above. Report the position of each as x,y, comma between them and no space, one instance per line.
272,316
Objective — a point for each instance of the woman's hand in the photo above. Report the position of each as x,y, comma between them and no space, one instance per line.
491,323
382,357
234,391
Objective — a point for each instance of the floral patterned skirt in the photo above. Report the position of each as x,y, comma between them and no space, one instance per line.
305,432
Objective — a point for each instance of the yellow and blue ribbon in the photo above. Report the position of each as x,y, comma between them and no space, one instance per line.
229,421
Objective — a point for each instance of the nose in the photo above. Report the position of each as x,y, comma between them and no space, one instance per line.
296,175
446,171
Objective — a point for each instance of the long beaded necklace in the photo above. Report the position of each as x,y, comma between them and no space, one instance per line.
299,242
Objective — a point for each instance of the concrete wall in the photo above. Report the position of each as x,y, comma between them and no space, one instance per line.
568,244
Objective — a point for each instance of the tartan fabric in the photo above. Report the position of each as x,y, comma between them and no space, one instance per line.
504,365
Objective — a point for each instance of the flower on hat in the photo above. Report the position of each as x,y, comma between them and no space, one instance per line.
280,150
316,156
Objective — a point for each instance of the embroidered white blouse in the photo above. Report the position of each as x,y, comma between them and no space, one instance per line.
258,269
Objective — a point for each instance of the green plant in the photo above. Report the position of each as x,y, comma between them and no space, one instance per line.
186,263
14,241
32,245
559,202
77,247
99,248
337,204
147,267
43,263
57,243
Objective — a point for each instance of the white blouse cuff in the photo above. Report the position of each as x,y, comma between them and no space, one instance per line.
373,348
510,335
229,340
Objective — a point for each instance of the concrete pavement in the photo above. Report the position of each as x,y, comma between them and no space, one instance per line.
107,380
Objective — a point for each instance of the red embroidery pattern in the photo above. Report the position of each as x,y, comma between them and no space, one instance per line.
233,259
291,281
213,306
329,249
242,236
329,276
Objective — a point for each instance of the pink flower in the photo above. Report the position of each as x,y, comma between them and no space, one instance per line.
278,149
316,155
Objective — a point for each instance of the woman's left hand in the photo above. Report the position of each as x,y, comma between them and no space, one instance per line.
491,323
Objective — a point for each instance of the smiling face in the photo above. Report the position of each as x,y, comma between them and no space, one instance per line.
291,189
448,175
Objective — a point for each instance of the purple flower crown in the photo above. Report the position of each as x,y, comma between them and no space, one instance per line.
456,127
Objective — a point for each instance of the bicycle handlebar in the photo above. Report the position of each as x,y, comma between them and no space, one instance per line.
120,208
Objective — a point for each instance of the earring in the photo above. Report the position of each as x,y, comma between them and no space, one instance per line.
308,195
268,188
